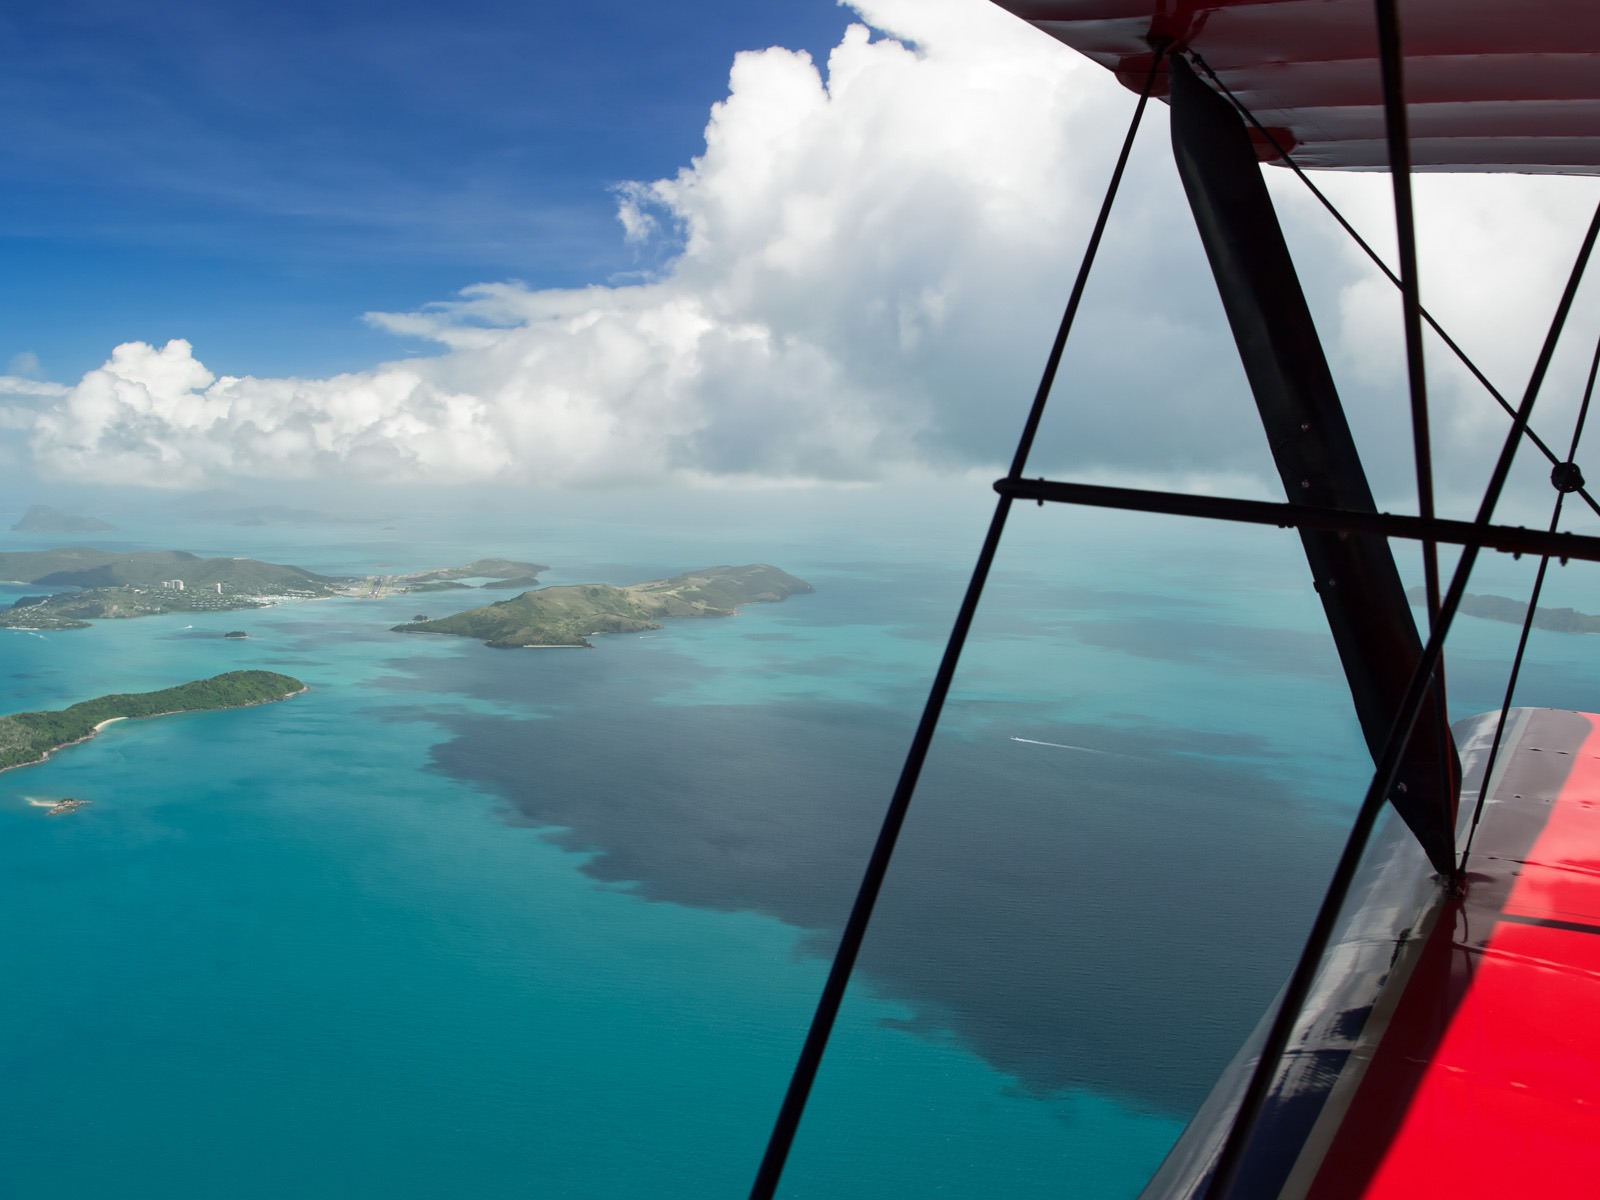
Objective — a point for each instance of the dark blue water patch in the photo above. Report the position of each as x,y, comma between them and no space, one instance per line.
1116,921
819,665
569,678
1244,648
895,600
1127,735
1477,684
1045,592
309,635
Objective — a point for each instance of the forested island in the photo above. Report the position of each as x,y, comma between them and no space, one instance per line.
1514,612
112,585
31,737
41,518
565,615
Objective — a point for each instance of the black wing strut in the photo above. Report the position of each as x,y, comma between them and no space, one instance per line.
1317,458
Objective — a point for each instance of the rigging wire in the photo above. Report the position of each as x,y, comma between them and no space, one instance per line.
1391,64
855,929
1533,608
1377,260
1253,1101
1392,69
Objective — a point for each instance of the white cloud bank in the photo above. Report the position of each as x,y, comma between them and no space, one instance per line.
872,262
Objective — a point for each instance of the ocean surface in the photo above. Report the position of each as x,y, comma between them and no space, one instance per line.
461,922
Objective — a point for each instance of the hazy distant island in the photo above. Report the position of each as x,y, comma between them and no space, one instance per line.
41,518
563,616
1514,612
113,585
219,506
31,737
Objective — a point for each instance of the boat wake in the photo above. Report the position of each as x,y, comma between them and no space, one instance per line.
1066,746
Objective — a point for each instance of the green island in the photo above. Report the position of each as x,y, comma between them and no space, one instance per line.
41,518
566,615
113,585
1514,612
31,737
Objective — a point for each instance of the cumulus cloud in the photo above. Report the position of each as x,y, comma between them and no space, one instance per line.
22,400
1495,252
159,417
863,270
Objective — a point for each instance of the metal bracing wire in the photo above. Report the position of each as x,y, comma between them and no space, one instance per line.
1391,64
855,929
1562,487
1230,1158
1450,343
1392,70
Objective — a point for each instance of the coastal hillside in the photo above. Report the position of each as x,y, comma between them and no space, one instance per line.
87,567
118,585
565,615
30,736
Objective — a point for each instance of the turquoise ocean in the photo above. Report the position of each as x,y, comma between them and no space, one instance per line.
461,922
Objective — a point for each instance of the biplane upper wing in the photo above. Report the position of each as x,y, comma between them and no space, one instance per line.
1491,85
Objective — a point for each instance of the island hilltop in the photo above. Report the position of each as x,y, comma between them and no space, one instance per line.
563,616
41,518
31,737
115,585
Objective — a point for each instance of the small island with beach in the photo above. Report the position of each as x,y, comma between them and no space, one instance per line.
31,737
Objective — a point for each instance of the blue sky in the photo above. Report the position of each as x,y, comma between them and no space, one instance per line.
381,243
255,177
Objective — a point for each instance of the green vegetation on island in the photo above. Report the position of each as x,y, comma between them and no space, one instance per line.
41,518
87,567
31,736
565,615
1514,612
115,585
112,585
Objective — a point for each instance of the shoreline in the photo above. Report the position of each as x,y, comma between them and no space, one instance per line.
147,717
